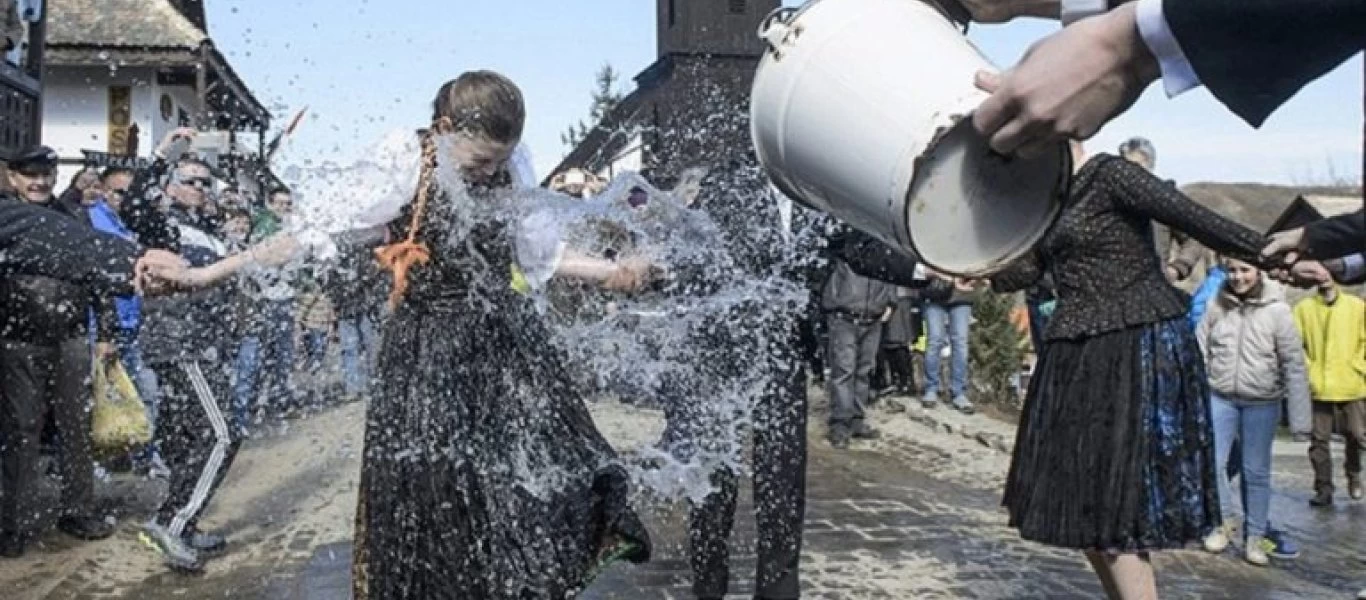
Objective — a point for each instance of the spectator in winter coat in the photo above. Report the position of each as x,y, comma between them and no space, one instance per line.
104,216
1334,328
1254,360
856,308
45,360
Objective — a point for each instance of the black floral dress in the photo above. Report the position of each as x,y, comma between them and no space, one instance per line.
1115,449
484,476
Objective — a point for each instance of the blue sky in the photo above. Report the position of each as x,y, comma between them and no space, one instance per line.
369,66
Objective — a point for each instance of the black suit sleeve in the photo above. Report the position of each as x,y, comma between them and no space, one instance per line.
141,212
1337,236
38,241
871,258
1253,55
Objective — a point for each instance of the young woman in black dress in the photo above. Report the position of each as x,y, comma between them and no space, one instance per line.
1115,451
483,476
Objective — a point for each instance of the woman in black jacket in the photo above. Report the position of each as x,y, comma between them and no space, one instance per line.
1114,454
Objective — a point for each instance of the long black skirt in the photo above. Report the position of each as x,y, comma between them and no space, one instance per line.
484,476
1115,450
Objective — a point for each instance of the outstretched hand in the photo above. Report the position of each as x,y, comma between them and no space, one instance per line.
1289,244
631,275
1067,85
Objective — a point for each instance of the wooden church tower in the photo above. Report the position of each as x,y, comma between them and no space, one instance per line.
691,107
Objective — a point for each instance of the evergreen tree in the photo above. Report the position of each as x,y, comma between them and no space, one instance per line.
995,349
605,98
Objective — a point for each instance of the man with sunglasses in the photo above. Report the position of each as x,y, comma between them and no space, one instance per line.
45,361
185,341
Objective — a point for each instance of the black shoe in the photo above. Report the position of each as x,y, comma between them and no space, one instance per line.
1323,499
11,546
864,431
839,438
85,528
207,543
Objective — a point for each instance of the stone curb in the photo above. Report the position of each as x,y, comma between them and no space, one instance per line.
988,439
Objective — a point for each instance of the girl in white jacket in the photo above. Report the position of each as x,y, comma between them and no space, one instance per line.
1255,359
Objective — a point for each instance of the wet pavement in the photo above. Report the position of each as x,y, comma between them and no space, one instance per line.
913,515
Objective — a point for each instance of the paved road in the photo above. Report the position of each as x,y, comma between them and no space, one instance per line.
911,516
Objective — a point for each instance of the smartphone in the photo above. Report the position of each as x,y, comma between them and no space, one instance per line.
180,146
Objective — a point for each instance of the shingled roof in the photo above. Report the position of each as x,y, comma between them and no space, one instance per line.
144,24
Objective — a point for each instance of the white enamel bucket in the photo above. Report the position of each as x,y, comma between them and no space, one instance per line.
861,108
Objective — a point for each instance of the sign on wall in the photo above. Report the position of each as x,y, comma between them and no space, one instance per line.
120,119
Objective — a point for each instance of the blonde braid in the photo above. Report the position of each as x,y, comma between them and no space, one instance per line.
401,256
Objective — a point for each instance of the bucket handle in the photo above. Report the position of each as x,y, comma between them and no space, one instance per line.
774,30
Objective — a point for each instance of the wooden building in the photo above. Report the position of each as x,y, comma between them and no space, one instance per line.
691,106
120,74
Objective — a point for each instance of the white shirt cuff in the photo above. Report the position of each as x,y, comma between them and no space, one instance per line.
1076,10
1177,74
1353,266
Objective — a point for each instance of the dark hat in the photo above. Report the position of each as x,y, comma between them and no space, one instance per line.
34,156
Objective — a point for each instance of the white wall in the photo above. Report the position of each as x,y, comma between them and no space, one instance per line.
182,98
76,110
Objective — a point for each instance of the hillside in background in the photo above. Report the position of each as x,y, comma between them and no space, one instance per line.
1258,206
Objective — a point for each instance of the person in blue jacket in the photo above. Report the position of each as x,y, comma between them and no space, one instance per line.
104,217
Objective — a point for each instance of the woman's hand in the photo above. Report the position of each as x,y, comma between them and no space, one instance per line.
274,251
630,276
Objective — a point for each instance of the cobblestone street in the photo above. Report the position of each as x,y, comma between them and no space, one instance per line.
913,515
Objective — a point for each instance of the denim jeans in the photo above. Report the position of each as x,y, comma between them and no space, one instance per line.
315,349
244,383
266,357
1253,423
358,345
958,318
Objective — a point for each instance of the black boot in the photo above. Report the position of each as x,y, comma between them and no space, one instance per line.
11,546
1322,499
839,437
864,431
85,527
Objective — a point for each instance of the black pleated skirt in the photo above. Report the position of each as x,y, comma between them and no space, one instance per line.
1115,449
484,476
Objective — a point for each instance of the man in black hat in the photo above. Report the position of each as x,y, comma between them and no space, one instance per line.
44,370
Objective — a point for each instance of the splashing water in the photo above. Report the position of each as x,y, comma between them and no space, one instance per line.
698,343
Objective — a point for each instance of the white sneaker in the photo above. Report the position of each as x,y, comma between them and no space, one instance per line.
1254,553
1361,595
1217,541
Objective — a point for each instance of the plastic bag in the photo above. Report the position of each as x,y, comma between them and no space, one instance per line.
119,421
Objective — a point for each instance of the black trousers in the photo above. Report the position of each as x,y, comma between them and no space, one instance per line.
41,383
196,442
853,353
894,369
779,450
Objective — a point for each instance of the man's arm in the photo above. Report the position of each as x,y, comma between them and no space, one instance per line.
869,257
140,212
36,241
1336,236
1252,54
1348,270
